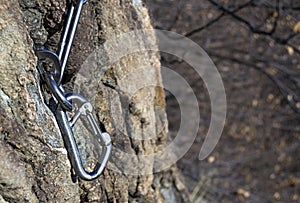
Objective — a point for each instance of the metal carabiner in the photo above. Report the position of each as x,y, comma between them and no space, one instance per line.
65,125
60,103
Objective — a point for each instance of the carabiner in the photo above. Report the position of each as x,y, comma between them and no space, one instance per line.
62,103
65,125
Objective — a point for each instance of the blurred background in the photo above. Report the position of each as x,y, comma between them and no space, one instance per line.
255,45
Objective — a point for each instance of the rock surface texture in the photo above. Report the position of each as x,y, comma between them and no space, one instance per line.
34,166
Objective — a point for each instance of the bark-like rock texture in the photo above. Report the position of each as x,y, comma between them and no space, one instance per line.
34,165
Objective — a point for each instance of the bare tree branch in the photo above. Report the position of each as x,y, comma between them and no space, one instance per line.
285,91
197,30
254,29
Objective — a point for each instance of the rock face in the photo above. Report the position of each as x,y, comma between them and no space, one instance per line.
34,165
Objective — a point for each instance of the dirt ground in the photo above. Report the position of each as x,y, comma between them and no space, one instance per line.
257,158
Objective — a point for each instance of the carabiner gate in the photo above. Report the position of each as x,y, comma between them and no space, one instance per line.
65,125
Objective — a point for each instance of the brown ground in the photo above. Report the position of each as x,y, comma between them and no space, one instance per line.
257,158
